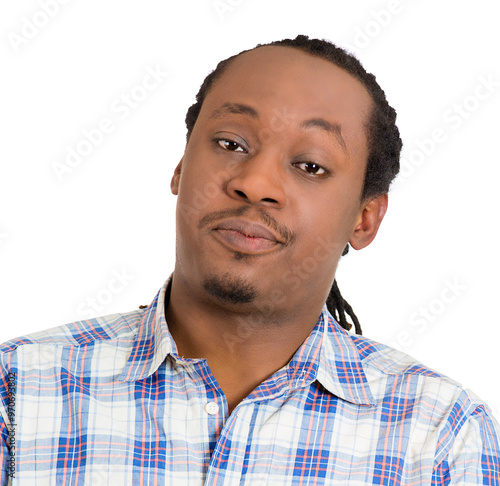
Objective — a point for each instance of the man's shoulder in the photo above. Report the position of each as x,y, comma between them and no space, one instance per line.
390,361
394,374
113,327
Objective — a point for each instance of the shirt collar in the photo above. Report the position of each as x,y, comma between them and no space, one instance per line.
341,369
328,355
153,341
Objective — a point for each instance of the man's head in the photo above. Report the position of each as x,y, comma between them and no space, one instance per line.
295,136
383,135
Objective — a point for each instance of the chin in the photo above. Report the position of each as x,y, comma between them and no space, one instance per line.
230,288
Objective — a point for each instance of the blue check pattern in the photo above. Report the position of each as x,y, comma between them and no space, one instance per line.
108,401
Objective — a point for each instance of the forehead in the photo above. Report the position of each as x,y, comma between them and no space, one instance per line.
286,80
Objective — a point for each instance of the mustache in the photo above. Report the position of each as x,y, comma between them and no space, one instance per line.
287,235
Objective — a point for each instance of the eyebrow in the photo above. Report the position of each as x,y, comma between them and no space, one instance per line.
235,109
241,109
334,128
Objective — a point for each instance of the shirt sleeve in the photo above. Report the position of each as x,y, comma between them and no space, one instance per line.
473,455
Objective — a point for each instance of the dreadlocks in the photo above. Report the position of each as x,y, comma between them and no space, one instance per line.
384,142
339,307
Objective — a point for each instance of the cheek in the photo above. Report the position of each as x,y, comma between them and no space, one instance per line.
203,178
317,228
190,205
197,190
332,220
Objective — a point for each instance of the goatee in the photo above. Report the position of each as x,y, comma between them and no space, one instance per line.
230,289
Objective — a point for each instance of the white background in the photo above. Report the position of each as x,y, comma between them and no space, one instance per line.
61,239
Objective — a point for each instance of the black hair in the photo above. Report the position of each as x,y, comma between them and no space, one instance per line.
384,142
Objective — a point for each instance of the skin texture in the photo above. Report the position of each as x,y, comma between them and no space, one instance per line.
280,140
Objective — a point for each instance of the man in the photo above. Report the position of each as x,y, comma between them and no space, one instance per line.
237,373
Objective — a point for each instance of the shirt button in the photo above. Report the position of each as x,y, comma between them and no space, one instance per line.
211,408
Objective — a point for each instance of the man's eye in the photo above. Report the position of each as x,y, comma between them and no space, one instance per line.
312,168
230,145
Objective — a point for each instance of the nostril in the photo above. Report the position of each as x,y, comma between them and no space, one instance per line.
241,193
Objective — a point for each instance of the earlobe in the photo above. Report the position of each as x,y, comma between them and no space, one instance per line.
174,183
368,222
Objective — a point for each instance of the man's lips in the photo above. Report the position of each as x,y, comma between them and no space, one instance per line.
245,236
247,228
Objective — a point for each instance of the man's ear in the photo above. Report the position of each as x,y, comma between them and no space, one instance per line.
174,183
368,221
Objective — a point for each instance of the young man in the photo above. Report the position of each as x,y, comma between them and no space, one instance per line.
237,373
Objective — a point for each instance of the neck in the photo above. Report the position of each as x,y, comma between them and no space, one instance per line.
242,348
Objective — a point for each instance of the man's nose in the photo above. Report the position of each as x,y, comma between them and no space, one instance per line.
260,180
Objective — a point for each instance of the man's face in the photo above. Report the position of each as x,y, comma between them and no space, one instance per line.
280,141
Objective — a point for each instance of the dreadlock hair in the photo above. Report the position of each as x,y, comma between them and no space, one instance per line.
384,142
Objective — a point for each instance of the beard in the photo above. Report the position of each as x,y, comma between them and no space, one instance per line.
230,289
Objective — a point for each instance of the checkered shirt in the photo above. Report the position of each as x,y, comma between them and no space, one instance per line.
108,401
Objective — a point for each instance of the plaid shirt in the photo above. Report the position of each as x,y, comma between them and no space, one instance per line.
108,401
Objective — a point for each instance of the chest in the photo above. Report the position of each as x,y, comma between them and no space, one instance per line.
175,429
